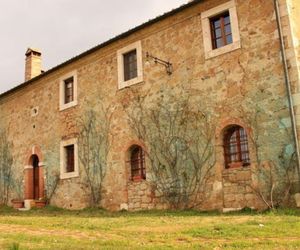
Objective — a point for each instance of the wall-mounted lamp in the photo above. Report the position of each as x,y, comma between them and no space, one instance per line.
168,65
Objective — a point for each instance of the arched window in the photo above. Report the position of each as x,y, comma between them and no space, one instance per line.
137,163
236,147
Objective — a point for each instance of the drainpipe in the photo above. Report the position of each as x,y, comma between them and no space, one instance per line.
288,86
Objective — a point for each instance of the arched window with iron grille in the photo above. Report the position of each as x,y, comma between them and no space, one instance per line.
236,148
137,163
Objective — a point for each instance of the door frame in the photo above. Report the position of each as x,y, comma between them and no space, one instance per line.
29,192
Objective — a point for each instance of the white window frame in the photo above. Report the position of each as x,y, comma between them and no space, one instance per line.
62,104
120,57
63,156
206,29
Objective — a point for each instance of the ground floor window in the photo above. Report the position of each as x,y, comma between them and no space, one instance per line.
137,163
69,159
236,146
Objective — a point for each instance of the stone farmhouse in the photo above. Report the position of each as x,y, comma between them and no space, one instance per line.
102,128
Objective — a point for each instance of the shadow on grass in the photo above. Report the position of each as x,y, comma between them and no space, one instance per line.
51,211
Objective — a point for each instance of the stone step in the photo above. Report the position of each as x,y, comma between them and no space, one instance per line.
23,209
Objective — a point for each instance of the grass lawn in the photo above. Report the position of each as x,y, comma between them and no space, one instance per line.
54,228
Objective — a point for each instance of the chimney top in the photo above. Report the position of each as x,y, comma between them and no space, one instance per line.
33,51
33,63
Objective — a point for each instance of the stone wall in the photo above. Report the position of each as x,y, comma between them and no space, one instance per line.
237,190
141,195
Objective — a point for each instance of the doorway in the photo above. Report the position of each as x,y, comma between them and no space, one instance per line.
36,177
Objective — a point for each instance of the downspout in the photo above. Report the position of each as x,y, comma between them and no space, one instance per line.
288,86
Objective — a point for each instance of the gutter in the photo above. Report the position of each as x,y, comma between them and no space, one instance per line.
288,86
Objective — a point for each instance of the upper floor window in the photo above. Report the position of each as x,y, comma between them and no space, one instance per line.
68,91
137,163
236,147
220,30
130,67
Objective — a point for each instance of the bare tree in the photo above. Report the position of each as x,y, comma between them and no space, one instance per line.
94,144
6,167
179,136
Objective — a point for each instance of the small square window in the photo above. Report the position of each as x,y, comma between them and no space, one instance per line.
69,90
130,65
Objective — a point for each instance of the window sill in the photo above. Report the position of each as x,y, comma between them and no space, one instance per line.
131,85
134,81
69,175
68,105
237,165
223,50
137,179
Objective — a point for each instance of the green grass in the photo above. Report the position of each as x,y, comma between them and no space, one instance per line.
54,228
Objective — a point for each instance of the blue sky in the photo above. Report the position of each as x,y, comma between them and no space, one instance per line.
62,29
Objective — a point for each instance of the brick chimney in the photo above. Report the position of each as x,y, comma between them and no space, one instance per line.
33,63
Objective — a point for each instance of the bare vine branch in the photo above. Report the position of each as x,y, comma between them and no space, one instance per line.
95,142
179,138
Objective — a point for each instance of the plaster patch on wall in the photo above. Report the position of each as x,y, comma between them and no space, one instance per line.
286,122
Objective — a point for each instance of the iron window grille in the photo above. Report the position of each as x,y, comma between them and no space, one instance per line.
137,163
236,146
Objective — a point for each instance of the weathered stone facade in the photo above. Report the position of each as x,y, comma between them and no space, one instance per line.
233,83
